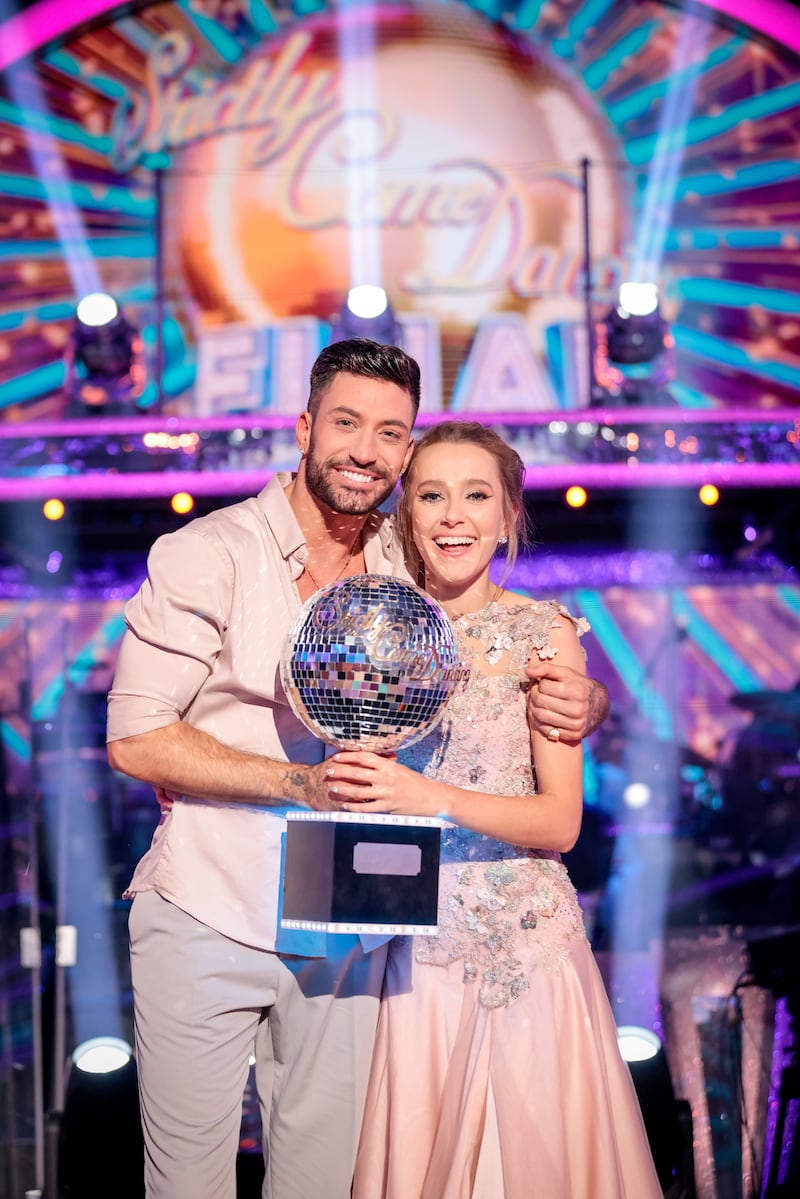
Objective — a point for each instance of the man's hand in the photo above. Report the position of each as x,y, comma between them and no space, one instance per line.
564,699
307,786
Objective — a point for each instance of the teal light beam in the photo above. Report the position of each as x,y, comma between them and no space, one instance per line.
689,397
728,294
790,597
91,653
68,65
14,742
714,645
638,103
22,116
222,42
141,245
762,174
586,17
56,311
42,381
626,662
717,349
527,13
261,18
107,635
699,238
598,73
704,128
105,198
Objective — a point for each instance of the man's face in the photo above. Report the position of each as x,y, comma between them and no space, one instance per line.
357,443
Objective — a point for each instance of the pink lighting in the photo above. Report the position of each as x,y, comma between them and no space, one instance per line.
29,31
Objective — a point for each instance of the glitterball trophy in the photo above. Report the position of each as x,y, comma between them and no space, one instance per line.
371,662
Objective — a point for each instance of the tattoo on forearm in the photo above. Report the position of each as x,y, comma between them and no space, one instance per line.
598,706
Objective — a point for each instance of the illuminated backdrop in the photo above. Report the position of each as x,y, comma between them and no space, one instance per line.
432,147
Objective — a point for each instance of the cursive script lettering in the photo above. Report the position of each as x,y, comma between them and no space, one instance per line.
387,638
181,106
293,112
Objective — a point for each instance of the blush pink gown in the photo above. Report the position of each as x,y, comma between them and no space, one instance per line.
496,1072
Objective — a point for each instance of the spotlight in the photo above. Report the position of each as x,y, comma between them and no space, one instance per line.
634,350
366,313
637,795
182,503
104,358
96,310
666,1119
53,509
102,1055
636,329
575,496
637,299
100,1148
637,1044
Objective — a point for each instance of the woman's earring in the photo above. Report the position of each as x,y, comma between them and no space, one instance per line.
503,540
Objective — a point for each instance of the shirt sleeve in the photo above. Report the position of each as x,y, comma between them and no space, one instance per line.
176,624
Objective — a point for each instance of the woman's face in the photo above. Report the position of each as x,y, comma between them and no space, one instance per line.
457,515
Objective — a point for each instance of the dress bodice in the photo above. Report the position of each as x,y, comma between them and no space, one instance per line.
492,895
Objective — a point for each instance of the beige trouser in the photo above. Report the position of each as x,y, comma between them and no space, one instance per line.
202,1005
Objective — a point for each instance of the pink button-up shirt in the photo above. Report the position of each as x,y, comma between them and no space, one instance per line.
203,644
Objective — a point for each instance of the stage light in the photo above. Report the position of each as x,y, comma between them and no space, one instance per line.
637,1044
101,1055
708,495
182,503
636,796
96,310
366,313
367,301
100,1149
636,329
575,497
634,348
666,1119
104,358
53,509
637,299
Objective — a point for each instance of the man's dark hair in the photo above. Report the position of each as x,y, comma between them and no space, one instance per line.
371,360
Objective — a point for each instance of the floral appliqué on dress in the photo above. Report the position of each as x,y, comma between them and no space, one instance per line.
504,910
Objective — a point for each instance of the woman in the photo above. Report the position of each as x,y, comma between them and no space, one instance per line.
496,1070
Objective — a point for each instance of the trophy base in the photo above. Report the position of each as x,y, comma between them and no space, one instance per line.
348,873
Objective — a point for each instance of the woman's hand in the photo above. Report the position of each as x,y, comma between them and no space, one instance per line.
362,781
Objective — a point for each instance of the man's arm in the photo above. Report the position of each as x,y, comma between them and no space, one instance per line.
564,699
181,759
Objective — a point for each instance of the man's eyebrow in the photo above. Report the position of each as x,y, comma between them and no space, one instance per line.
343,410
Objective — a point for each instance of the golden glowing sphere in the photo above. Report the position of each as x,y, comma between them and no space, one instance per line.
53,509
182,503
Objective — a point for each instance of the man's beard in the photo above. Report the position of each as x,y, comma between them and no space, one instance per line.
320,480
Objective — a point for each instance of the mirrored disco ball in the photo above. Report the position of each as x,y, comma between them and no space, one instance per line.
370,663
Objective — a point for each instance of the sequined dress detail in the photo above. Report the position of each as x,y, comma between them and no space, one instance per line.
495,898
496,1072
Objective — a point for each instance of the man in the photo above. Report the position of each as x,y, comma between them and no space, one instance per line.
197,710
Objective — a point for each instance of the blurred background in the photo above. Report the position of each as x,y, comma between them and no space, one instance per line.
583,220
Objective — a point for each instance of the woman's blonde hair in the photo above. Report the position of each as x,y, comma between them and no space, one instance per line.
512,476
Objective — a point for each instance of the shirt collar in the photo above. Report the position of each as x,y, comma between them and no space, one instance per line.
380,539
